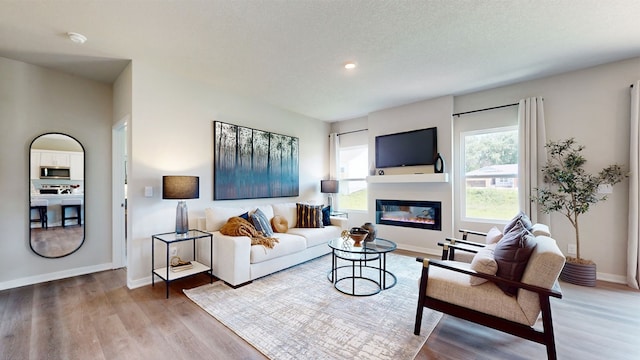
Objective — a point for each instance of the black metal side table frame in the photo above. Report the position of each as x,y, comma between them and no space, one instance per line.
360,257
171,238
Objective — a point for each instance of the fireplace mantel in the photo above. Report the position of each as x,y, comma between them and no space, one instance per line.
409,178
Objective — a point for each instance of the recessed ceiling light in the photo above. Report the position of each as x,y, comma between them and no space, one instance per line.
350,65
77,38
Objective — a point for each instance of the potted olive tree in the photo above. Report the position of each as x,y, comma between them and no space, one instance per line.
571,191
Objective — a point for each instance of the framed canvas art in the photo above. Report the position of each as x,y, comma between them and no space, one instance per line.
250,163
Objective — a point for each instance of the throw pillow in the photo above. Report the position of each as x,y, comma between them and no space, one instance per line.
259,220
483,262
309,216
326,216
244,216
493,236
522,217
512,254
279,224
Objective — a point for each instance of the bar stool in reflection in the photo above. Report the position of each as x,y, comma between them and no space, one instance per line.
73,204
40,205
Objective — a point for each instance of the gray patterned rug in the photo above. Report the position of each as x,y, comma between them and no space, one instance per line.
297,314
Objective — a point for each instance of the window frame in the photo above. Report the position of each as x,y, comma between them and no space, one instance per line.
341,180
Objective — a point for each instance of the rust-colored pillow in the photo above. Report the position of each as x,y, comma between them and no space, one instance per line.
279,224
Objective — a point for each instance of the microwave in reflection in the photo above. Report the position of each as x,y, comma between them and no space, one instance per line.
55,172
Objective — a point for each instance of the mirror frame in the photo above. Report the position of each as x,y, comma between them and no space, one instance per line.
84,162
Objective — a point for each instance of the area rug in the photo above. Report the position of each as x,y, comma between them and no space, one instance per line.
297,314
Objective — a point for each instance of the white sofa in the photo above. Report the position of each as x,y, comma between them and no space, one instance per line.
237,262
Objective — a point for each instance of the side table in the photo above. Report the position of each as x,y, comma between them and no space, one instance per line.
165,273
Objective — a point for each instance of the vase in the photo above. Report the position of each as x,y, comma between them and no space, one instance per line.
579,274
372,231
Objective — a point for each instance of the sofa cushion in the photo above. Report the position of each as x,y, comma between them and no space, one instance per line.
215,217
286,210
512,254
288,244
317,236
483,262
260,222
309,216
279,224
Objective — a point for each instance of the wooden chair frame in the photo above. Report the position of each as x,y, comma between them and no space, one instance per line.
544,337
452,244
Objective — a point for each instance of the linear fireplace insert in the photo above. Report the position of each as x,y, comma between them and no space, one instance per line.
410,213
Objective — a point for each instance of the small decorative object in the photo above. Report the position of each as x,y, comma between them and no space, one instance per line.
571,191
178,264
438,166
380,172
344,234
372,231
358,234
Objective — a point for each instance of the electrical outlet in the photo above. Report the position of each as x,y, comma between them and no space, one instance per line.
571,249
174,251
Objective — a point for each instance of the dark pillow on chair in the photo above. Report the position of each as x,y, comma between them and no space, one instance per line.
523,218
326,216
512,254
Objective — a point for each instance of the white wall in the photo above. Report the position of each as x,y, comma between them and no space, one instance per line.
424,114
35,100
591,105
172,133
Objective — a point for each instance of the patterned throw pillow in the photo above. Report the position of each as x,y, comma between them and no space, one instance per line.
309,216
259,220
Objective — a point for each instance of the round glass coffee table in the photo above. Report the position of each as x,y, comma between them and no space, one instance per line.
365,272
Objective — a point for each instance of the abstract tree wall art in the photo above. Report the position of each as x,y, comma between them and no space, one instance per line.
250,163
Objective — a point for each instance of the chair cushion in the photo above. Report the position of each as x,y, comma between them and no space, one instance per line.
522,217
493,235
512,254
315,236
287,244
483,262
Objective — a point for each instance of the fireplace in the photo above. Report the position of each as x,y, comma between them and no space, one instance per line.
410,213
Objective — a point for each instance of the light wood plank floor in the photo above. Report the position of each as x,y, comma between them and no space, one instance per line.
95,316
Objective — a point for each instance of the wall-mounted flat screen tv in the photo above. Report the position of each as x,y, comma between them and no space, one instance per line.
410,148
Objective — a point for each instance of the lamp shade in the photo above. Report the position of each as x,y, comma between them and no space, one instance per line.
329,186
180,187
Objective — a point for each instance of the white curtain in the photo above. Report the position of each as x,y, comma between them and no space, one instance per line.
633,251
532,155
334,156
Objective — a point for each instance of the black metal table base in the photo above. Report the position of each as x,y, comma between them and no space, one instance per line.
357,276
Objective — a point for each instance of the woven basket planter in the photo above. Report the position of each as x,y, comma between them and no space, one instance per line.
579,274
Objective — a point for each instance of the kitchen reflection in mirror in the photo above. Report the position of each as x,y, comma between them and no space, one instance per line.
56,212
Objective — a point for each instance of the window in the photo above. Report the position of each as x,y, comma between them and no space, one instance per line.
353,172
490,158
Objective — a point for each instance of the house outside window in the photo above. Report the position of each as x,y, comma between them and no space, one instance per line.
490,189
353,172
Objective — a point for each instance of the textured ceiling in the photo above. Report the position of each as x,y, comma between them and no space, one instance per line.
290,53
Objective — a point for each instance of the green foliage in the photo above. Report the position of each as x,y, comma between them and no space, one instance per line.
491,203
356,200
570,189
497,148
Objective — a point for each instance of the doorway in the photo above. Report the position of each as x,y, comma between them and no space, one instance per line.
119,191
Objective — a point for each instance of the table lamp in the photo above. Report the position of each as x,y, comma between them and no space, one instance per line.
181,188
329,187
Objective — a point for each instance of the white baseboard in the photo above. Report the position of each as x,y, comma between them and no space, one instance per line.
619,279
133,284
36,279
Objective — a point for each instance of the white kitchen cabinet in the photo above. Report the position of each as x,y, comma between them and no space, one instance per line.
76,166
35,165
54,158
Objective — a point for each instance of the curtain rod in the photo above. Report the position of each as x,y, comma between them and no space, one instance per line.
351,132
491,108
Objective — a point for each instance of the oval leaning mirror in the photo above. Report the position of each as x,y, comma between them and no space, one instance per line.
56,198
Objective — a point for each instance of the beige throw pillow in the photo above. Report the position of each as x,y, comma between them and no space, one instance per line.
493,236
483,262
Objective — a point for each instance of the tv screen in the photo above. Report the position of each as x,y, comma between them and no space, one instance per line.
410,148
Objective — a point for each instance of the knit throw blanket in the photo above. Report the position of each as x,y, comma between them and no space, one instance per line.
237,226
